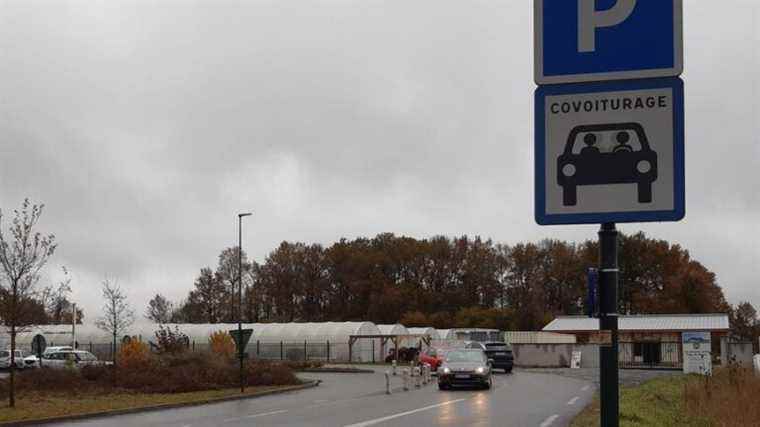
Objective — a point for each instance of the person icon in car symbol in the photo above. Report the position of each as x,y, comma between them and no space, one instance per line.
590,141
629,161
622,139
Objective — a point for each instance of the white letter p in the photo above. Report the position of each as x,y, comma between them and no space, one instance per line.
589,19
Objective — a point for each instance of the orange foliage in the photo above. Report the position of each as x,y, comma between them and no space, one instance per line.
134,354
222,344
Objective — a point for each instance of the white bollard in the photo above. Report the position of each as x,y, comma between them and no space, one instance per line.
424,374
387,382
405,377
394,367
417,377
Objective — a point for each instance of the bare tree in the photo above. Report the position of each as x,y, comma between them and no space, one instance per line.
159,310
55,299
117,314
23,253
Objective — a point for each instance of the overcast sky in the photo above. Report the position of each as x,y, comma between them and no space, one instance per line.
146,126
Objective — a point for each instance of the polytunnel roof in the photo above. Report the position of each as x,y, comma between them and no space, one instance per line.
89,332
338,331
424,331
313,331
396,329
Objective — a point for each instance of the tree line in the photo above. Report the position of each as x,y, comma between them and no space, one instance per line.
441,282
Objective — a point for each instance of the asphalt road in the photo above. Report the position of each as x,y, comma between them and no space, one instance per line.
358,400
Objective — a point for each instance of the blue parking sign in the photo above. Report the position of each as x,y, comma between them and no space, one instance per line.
596,40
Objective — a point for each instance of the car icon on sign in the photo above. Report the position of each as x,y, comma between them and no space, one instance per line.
602,154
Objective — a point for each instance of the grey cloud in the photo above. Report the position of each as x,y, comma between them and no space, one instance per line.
146,126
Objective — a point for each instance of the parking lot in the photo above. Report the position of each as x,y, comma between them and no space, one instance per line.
358,400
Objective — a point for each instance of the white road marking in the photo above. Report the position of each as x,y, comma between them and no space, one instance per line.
229,420
320,401
265,414
547,422
573,400
585,388
402,414
324,403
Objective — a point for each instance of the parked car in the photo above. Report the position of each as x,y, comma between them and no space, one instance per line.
500,353
5,359
468,367
433,357
32,361
70,358
404,354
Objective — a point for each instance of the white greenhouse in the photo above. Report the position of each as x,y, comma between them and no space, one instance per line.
444,334
420,332
430,332
391,330
291,341
321,340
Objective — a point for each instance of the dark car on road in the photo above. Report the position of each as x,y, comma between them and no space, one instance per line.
467,368
626,159
500,354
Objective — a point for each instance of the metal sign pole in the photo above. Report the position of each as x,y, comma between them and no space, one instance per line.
608,322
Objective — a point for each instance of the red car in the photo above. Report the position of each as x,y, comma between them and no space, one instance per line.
432,357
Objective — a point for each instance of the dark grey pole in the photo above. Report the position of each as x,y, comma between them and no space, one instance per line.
608,321
240,298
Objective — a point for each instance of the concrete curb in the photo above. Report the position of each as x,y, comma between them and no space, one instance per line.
75,417
339,370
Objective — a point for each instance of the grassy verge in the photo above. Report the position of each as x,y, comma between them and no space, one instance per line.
39,406
659,402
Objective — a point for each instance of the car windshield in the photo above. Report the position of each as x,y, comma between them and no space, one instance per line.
464,356
498,346
4,354
607,141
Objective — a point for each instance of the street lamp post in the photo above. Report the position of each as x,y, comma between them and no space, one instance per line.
240,297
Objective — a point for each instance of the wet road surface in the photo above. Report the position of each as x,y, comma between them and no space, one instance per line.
359,400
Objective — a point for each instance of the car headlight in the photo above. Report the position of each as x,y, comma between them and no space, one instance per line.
568,170
644,166
446,370
480,370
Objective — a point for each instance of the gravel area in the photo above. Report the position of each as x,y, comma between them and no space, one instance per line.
627,377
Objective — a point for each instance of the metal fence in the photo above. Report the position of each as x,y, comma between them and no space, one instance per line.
651,355
282,350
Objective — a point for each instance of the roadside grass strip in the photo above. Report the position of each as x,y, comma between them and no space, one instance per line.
656,403
48,406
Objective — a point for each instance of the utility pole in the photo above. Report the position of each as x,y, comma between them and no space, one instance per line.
608,323
240,298
74,326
